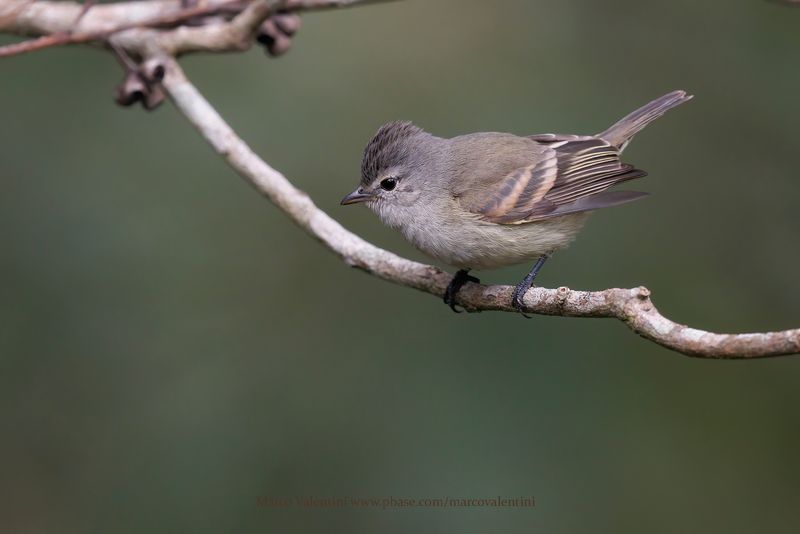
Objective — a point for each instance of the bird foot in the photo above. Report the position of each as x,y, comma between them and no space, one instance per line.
525,285
516,298
458,281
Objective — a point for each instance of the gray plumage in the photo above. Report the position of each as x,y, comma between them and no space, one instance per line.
487,200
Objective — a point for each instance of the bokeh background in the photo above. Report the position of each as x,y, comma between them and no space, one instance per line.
172,347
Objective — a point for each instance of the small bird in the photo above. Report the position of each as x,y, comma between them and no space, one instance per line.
488,200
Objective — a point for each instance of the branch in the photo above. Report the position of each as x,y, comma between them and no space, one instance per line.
69,37
631,306
134,24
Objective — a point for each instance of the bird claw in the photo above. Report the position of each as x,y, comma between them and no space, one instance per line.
449,298
525,285
516,300
458,281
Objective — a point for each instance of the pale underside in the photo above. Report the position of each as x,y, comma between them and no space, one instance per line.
478,244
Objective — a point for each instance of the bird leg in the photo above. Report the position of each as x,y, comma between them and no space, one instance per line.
458,281
525,285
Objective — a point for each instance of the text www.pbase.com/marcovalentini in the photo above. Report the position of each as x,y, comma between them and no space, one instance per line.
387,503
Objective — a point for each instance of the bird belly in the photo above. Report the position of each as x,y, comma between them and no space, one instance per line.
477,244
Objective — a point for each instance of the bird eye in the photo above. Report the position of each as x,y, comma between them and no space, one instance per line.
388,184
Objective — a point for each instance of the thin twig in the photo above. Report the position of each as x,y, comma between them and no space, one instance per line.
317,5
122,57
87,5
55,39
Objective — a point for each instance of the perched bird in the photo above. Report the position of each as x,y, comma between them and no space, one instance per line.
488,200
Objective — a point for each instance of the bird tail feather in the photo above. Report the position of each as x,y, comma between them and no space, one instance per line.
620,134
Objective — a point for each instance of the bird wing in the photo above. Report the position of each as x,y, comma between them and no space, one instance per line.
570,175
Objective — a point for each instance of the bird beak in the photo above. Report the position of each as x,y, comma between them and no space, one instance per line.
356,197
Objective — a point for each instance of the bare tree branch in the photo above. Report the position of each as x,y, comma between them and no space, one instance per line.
69,37
134,24
157,50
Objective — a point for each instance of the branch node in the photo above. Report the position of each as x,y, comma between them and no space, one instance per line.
153,70
139,87
275,33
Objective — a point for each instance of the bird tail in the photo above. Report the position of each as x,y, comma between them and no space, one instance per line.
620,134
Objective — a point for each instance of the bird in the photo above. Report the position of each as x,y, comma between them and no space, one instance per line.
489,200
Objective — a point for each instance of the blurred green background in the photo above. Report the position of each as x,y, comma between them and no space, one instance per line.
172,347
